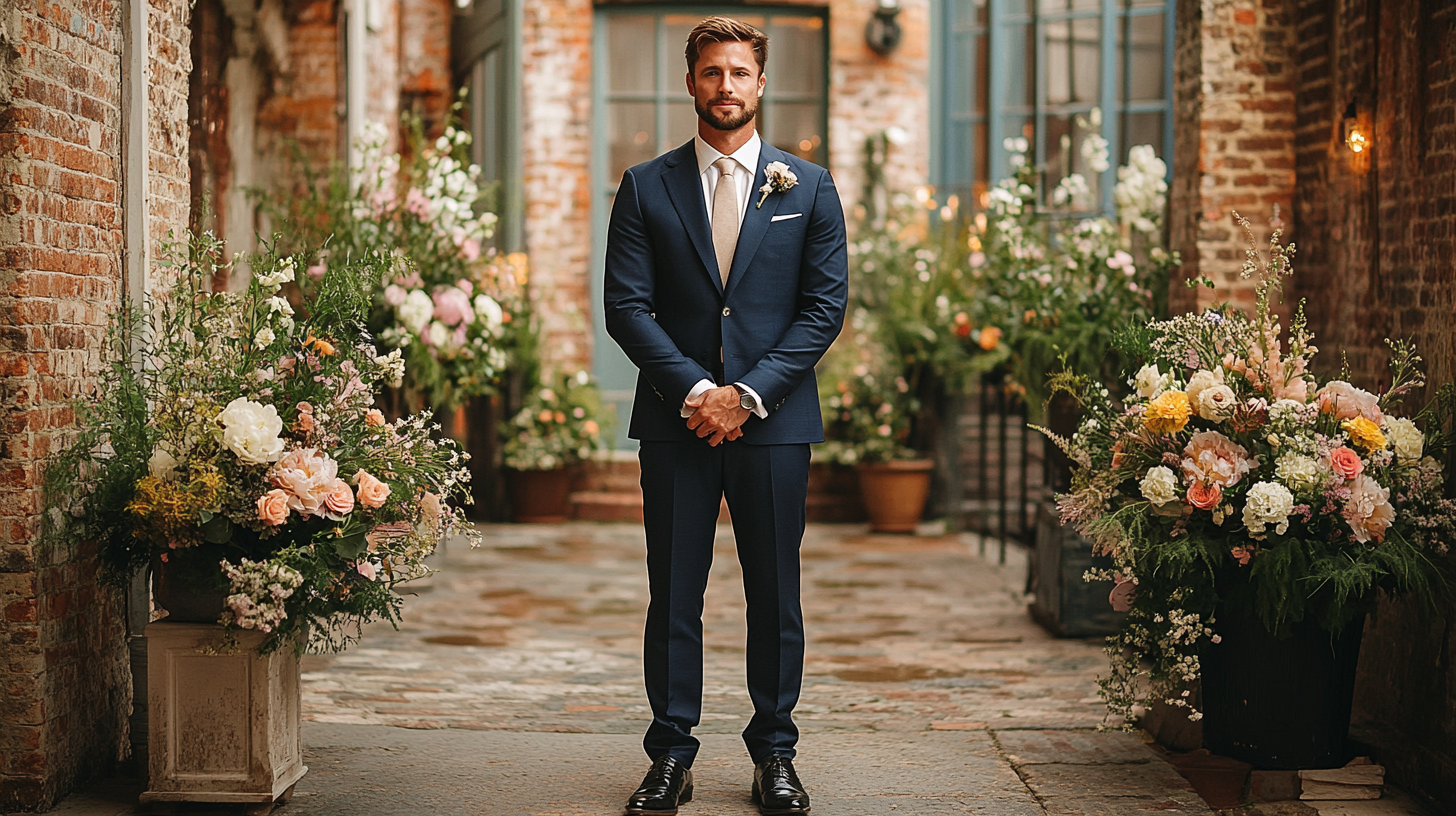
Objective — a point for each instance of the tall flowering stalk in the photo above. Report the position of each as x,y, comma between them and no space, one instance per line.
1232,478
249,431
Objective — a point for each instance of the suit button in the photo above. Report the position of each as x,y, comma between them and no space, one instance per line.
727,311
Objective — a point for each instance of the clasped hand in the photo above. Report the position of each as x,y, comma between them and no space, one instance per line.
718,416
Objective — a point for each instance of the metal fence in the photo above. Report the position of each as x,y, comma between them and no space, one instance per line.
1003,466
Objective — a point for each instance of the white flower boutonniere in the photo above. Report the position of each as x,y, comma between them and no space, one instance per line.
780,178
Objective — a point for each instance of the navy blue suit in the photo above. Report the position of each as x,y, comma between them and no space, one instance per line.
667,308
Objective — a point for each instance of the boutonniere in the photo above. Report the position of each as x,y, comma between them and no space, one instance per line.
780,179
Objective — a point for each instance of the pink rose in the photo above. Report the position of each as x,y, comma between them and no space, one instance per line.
452,306
273,507
1346,401
366,569
339,498
1204,495
307,475
372,492
1346,463
374,417
395,294
470,249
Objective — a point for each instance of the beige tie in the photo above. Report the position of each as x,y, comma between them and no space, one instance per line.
725,217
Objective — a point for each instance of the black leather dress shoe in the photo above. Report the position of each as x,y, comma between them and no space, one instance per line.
666,786
776,788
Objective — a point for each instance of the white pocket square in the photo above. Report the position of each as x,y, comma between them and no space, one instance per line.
785,217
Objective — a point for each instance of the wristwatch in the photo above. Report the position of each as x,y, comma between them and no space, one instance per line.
745,399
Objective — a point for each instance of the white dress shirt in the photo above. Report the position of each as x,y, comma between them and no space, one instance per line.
746,161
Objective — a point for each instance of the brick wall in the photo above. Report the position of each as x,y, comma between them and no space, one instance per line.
63,666
425,84
1377,259
1233,137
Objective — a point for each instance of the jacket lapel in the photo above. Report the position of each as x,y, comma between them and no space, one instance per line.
685,189
756,221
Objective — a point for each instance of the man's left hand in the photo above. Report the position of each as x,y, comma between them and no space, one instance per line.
719,416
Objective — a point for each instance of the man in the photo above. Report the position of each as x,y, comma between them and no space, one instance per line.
726,281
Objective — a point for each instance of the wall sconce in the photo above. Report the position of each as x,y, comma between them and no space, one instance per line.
882,32
1355,136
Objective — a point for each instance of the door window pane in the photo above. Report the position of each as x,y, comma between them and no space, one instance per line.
631,66
1017,68
630,139
682,123
797,49
1073,61
1142,45
1143,128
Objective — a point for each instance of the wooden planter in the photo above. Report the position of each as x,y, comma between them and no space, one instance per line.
541,496
894,493
224,727
1066,605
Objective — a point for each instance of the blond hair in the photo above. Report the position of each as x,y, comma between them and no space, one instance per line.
726,29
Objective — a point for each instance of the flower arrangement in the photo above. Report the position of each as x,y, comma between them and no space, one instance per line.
867,418
1069,282
449,301
1231,478
556,427
249,434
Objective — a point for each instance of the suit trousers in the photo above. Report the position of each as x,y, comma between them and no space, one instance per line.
766,487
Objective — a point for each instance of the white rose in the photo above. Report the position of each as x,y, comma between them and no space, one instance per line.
1200,381
1216,403
264,337
162,465
1150,382
416,311
1405,438
1159,486
251,431
486,306
1268,503
1300,472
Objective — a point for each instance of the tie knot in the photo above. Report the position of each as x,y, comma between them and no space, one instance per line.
724,166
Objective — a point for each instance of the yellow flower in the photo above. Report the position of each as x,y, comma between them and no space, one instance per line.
1168,413
1364,433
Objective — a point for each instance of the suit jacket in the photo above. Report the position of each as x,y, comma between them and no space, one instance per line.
783,307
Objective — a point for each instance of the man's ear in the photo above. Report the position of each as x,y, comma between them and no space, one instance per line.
692,86
762,81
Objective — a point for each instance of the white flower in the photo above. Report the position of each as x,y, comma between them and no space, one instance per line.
1216,403
1405,438
897,135
487,307
162,465
1298,471
439,334
582,378
1286,410
1200,381
1159,486
416,311
1150,382
1268,503
278,305
251,431
264,337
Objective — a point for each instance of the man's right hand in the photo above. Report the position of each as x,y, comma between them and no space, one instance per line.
709,424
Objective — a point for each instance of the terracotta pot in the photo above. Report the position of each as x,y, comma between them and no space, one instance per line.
541,496
894,493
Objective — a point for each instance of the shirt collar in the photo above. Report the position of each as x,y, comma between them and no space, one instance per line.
746,155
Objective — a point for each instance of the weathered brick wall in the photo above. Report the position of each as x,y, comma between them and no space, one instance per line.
305,107
425,85
1377,259
63,666
1233,137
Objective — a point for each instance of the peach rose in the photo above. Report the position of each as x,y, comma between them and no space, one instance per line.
306,475
273,507
1368,510
339,498
1242,555
1212,457
1346,463
372,492
1204,495
374,417
1346,401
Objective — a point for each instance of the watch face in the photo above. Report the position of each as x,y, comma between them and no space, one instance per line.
745,401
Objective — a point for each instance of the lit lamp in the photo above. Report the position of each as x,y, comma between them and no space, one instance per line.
882,32
1355,137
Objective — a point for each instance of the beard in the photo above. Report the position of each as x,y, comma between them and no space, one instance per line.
731,121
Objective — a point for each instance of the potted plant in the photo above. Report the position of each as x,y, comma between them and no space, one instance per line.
555,430
1252,515
867,423
241,454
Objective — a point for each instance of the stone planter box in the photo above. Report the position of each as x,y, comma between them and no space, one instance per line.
224,727
1066,605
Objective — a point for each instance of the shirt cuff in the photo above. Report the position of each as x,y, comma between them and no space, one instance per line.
702,387
758,408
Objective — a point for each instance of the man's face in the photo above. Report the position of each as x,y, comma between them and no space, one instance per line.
726,85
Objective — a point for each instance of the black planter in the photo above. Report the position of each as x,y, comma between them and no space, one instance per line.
1279,704
190,584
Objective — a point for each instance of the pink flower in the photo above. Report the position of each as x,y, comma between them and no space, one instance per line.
1368,509
286,365
465,286
372,492
1346,463
306,475
452,306
304,424
394,294
1204,496
430,507
415,202
470,249
338,499
1242,555
273,507
318,270
1212,457
366,569
374,417
1122,594
1346,401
